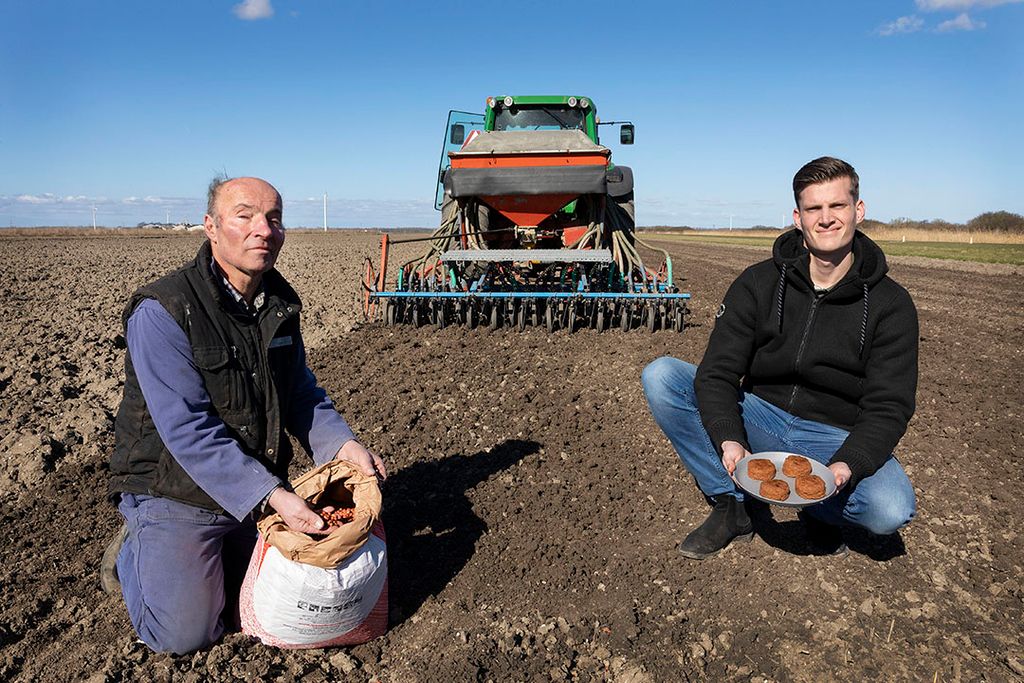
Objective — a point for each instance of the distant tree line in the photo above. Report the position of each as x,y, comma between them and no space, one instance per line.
991,221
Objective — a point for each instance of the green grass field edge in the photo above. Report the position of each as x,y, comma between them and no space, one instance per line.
1012,254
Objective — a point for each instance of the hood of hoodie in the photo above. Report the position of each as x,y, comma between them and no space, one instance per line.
793,259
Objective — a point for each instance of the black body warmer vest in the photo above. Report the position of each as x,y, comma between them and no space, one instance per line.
246,373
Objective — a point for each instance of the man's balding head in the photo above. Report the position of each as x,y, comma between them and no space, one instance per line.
214,192
245,229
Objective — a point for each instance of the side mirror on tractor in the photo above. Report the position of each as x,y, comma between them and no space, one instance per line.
458,135
626,134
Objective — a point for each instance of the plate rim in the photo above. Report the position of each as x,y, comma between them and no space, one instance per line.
801,501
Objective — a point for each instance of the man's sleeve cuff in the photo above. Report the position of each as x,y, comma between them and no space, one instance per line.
860,465
330,449
726,429
256,502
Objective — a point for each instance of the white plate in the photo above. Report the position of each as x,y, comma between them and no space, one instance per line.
753,486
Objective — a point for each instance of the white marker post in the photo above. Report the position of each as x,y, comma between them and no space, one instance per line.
94,218
325,212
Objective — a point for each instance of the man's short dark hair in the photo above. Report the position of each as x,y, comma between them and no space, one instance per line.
211,196
822,170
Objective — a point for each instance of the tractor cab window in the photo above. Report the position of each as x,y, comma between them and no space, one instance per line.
539,118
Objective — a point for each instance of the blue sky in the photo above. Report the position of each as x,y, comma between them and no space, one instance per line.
133,107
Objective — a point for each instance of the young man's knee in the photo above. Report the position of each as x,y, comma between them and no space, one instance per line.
890,514
667,374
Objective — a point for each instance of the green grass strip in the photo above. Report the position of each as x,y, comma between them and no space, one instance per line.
955,251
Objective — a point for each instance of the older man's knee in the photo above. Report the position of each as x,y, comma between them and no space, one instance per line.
182,640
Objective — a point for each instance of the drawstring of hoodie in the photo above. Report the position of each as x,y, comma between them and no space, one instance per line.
780,293
863,322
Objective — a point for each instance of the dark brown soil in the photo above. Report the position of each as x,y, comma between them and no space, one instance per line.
534,508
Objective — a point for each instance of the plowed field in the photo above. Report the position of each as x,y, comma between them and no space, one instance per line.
533,509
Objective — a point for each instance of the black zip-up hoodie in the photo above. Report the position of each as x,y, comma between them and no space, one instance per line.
846,357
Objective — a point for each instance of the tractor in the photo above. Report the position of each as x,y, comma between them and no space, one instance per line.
537,228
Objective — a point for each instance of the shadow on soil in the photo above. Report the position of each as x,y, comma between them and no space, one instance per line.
796,538
432,529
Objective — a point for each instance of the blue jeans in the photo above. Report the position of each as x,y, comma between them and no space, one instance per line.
181,568
881,503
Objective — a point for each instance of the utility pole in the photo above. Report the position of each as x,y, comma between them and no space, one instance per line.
325,212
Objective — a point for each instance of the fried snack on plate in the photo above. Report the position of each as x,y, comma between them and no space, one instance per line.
796,466
776,489
810,486
761,469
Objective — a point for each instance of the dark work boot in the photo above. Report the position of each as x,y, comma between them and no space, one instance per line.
108,565
728,520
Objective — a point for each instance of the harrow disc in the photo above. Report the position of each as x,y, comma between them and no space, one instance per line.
439,314
625,317
521,316
495,321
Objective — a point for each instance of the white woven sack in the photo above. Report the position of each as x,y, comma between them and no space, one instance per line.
300,604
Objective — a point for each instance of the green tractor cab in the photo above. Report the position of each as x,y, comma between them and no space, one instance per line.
530,112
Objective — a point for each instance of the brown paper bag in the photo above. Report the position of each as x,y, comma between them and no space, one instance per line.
336,483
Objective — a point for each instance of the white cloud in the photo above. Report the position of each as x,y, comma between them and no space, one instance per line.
46,198
48,208
908,24
961,23
251,10
956,5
